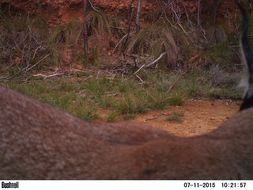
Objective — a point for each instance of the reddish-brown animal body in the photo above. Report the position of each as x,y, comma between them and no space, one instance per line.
40,142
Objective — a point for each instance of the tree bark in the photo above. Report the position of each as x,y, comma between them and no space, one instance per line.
138,15
85,29
199,13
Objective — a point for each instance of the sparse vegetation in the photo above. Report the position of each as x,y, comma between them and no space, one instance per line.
196,64
175,117
123,98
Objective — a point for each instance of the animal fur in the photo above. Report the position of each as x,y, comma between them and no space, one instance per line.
40,142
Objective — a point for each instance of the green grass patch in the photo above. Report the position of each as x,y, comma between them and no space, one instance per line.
123,97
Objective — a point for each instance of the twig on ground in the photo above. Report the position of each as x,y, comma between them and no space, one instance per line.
150,64
48,76
142,81
140,69
156,60
28,69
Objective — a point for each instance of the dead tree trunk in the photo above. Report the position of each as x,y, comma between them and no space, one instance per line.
85,29
199,14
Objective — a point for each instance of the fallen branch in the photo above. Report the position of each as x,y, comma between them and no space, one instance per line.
150,64
140,69
28,69
155,61
142,81
48,76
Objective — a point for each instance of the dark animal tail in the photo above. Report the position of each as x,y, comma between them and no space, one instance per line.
248,56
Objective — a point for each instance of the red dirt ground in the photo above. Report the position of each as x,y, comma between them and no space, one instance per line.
200,117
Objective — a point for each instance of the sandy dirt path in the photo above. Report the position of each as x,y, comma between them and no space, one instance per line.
199,117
